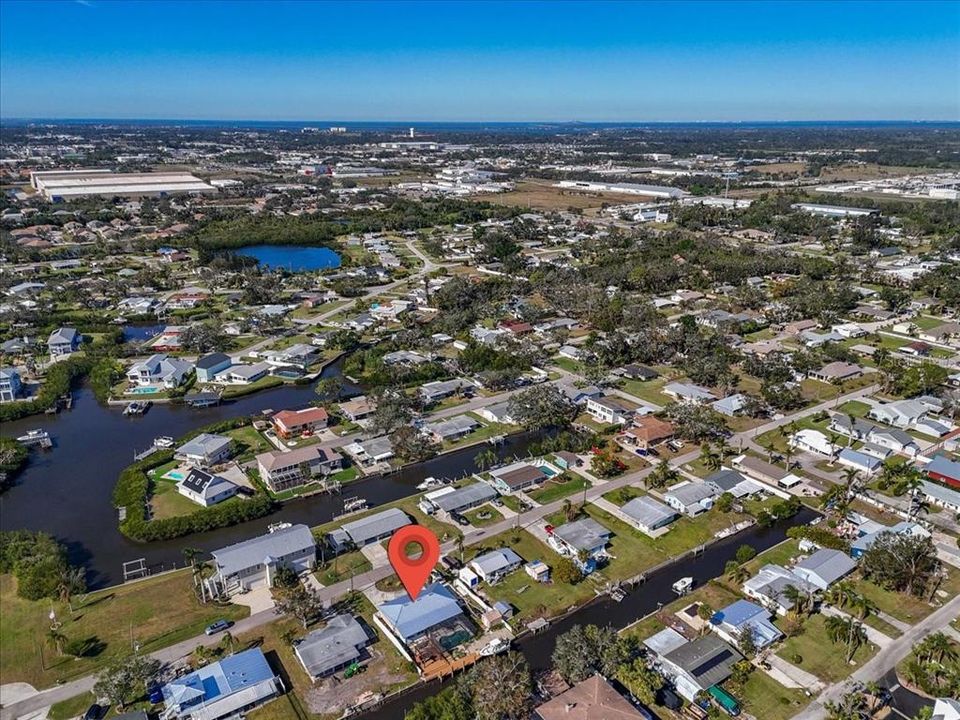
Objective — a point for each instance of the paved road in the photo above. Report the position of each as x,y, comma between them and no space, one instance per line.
886,658
334,592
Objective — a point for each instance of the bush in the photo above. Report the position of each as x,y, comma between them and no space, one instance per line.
13,456
37,560
819,536
59,379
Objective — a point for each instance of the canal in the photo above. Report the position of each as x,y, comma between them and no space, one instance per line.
645,599
67,491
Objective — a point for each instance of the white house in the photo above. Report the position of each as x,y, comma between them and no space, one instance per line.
205,488
812,441
159,370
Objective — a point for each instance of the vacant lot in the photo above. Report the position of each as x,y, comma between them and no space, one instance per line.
819,655
110,619
542,195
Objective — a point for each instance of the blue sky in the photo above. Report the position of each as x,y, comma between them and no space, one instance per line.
484,61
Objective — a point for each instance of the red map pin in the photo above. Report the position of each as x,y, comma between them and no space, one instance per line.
413,572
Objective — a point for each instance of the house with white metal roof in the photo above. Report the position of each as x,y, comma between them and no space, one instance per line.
254,563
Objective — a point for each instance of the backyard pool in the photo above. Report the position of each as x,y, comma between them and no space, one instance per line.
143,391
174,475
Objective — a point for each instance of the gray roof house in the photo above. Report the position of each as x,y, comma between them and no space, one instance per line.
464,498
824,568
648,514
770,584
730,481
691,498
375,527
688,392
452,429
63,341
493,565
333,647
700,664
206,449
253,563
585,535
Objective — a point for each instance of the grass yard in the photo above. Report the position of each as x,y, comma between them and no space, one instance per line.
649,390
621,496
249,443
855,408
532,599
712,594
819,655
110,617
512,502
763,697
558,487
903,606
636,552
166,502
71,708
342,567
483,516
232,391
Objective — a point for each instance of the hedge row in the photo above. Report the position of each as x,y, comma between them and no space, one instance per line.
59,379
132,491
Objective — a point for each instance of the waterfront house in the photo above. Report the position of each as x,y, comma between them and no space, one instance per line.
63,341
159,371
584,541
824,568
209,365
647,514
691,498
290,423
435,610
741,617
206,488
492,566
592,699
254,563
205,449
367,530
11,386
286,470
452,429
335,646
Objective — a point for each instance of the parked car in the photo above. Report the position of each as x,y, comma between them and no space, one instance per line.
216,627
94,712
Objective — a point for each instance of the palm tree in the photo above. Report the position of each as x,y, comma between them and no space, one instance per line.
787,455
57,639
73,580
190,555
739,574
848,631
227,640
851,479
802,601
710,458
661,476
459,542
864,606
842,595
936,648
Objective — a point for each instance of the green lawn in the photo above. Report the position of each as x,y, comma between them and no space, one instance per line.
819,655
763,697
512,502
855,408
156,612
902,606
559,487
343,567
166,501
249,443
483,516
530,598
621,496
71,708
636,552
232,391
649,390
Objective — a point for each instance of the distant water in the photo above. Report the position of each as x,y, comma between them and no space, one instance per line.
292,257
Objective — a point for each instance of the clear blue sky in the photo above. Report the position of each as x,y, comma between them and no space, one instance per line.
481,61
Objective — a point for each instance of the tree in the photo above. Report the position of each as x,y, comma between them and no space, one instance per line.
848,631
125,676
73,580
936,648
842,595
411,445
204,338
662,475
329,388
745,553
747,643
501,687
57,639
451,703
710,457
298,602
852,706
737,573
802,601
394,410
641,680
582,651
605,464
566,571
541,406
901,562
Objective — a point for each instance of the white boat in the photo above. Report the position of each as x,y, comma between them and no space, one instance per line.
494,647
683,585
164,441
431,483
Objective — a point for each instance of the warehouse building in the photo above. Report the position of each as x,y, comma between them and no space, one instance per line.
58,185
658,191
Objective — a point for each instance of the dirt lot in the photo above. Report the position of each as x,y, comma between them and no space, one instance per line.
868,172
794,168
542,195
332,695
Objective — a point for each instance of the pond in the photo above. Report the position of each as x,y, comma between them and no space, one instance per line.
294,258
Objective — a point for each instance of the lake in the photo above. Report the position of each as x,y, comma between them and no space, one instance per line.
294,258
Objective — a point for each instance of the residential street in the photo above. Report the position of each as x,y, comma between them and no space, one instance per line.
334,592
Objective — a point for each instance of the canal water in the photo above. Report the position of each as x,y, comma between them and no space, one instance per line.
67,491
645,599
292,257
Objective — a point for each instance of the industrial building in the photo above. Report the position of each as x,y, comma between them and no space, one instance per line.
660,191
58,185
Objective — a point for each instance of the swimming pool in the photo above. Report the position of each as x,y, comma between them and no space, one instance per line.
143,391
174,475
